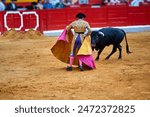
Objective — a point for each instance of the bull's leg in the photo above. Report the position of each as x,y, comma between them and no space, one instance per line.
113,51
99,52
120,51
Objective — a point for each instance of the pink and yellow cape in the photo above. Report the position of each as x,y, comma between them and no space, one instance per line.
61,50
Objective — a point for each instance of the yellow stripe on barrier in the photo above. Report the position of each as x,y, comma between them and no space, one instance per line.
7,1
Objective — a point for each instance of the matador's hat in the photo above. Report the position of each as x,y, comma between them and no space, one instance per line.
80,15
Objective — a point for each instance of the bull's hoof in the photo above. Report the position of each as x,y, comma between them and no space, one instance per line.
96,59
129,52
107,58
69,68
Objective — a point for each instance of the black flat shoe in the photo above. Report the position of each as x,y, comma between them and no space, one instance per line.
81,68
69,68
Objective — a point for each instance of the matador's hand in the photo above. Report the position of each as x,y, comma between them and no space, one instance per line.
84,35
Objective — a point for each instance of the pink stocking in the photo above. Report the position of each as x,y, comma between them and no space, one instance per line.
71,60
80,62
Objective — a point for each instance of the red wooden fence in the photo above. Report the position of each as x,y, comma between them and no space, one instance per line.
53,19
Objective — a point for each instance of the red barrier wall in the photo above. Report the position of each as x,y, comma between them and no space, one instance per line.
1,22
53,19
138,16
95,1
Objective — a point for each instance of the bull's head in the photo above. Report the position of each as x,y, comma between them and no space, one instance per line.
95,38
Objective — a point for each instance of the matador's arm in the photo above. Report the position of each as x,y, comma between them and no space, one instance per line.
89,30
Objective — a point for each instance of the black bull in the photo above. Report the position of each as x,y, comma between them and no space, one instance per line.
107,36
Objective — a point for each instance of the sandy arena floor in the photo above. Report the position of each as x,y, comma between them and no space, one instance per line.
28,70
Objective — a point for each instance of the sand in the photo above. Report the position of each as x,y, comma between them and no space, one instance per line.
28,70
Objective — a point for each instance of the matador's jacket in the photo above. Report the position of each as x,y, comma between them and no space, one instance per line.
75,43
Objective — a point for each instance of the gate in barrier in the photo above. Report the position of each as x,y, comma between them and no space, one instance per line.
21,20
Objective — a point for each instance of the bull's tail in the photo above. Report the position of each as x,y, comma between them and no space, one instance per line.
127,46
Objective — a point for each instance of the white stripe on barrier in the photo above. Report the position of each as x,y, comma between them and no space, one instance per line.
138,28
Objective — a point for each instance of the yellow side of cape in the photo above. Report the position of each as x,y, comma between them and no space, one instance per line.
61,49
86,47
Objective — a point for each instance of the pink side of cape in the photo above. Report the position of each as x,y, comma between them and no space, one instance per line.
88,60
63,35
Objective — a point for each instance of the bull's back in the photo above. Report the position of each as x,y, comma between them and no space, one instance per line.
113,34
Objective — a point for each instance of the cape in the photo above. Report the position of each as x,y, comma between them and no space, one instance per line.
62,47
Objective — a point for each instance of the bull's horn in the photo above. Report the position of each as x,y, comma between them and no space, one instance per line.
101,33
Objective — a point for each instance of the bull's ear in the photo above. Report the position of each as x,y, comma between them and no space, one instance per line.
101,33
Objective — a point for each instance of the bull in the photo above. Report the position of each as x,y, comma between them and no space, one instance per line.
107,36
